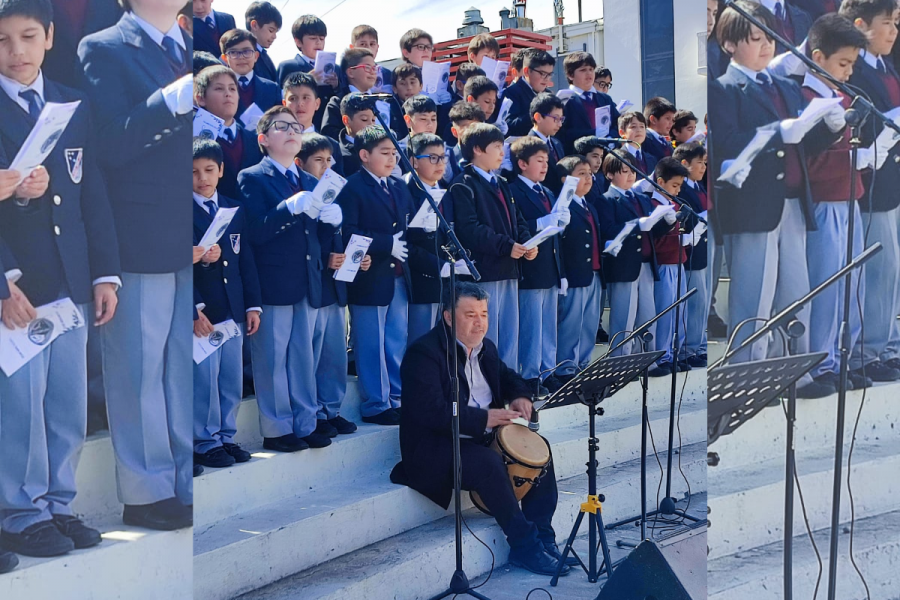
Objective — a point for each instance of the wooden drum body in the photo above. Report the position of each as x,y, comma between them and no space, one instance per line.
526,456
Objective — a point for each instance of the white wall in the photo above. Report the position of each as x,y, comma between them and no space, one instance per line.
622,48
690,87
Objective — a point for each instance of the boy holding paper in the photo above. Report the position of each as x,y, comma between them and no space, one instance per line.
544,278
226,288
547,115
57,234
309,34
582,101
537,75
239,51
301,96
483,44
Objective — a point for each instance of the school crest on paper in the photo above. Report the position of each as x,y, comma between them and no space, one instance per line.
236,243
75,164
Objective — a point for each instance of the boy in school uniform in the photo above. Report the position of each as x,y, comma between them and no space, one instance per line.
633,127
216,90
209,26
264,21
697,271
874,73
464,73
602,79
659,114
330,331
301,96
357,113
416,46
544,278
581,100
490,225
462,115
239,52
407,81
139,82
790,21
420,115
284,225
684,127
579,308
483,44
537,75
309,34
365,36
58,240
547,115
224,288
483,92
378,206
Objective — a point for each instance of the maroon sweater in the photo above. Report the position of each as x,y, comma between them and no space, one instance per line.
829,172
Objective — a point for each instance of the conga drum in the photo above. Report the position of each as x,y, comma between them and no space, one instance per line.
526,456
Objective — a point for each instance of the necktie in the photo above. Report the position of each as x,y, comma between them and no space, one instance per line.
779,11
212,208
764,79
209,22
292,179
494,184
243,81
552,150
173,51
880,65
385,189
35,104
540,192
229,135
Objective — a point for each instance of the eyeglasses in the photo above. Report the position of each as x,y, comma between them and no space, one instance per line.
543,74
423,47
604,86
558,120
367,68
283,126
434,158
246,53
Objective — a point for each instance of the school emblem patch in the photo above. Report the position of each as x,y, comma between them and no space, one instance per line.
75,164
216,338
329,196
357,257
39,331
236,242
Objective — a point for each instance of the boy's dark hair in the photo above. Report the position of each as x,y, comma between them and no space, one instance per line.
233,37
683,118
587,144
265,122
187,10
39,10
668,167
421,142
404,70
731,25
308,25
575,61
353,57
658,107
478,135
568,164
362,30
368,138
208,149
613,165
602,71
518,58
419,104
689,152
630,116
263,13
300,80
467,71
524,148
466,111
484,41
412,36
832,32
543,104
537,58
867,10
203,60
204,78
312,143
478,85
352,104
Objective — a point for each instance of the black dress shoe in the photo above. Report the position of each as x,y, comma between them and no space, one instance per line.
683,366
661,370
552,384
387,417
534,384
74,529
820,387
564,379
716,327
317,440
698,361
198,470
343,426
536,561
216,458
165,515
553,550
40,539
8,562
285,443
237,453
323,427
893,363
879,371
859,382
602,336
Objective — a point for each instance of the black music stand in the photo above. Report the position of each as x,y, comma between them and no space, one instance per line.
600,380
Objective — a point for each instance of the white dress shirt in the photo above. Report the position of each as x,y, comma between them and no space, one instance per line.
479,391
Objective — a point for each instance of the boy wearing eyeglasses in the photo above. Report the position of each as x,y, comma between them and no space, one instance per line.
239,52
602,80
547,116
537,76
284,226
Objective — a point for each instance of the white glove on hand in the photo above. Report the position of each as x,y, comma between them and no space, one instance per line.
182,92
793,130
503,126
865,159
443,97
431,223
612,250
398,250
547,221
331,214
305,202
565,217
670,217
834,118
738,179
644,224
563,286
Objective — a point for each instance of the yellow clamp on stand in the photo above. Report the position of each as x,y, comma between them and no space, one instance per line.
592,505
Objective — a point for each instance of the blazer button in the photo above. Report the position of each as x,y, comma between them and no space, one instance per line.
394,225
57,200
225,263
157,137
393,265
780,154
587,245
283,226
780,176
307,257
56,229
587,230
588,260
897,159
638,237
225,279
167,131
306,231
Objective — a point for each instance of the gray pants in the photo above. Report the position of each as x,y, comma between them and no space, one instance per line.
218,385
631,304
882,291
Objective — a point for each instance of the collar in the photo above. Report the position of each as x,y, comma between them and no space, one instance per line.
157,36
543,137
475,351
349,138
818,86
233,128
524,80
310,129
871,59
631,148
691,183
579,91
747,71
281,169
660,198
249,76
618,189
580,201
487,176
303,58
201,200
658,136
378,179
530,183
355,90
770,4
12,88
259,48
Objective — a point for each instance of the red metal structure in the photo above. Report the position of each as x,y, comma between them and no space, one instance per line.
510,40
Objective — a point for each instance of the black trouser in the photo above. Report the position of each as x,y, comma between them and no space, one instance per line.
483,471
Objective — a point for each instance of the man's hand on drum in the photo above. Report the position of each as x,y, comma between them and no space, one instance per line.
522,406
501,416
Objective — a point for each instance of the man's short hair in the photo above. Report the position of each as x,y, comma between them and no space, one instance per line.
689,152
208,149
668,168
368,138
464,289
479,85
203,59
296,80
467,71
484,41
575,61
658,107
682,119
311,143
479,135
466,111
415,105
352,104
419,142
265,122
308,25
205,78
832,32
362,31
631,115
568,164
525,147
404,70
602,71
587,144
353,57
613,165
733,27
263,13
543,104
412,36
233,37
867,10
39,10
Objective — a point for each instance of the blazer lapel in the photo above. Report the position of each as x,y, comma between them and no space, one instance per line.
278,181
624,201
148,55
16,123
753,88
377,192
533,196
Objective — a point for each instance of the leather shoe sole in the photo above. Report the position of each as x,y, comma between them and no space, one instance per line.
8,562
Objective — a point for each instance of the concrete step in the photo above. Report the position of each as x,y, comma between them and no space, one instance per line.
757,574
418,563
746,503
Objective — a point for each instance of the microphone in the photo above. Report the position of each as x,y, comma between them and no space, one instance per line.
533,424
619,141
386,96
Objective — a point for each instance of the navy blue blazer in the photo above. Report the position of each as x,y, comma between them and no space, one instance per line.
554,177
265,68
229,286
145,149
266,94
66,239
655,148
738,106
519,116
801,20
348,157
576,242
285,246
547,268
600,187
61,62
482,226
578,124
716,60
251,155
333,291
697,259
332,125
426,262
207,39
618,210
369,212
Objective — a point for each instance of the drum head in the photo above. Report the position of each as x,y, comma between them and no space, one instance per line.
524,445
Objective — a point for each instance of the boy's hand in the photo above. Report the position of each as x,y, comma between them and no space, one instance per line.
198,254
17,310
331,80
35,185
105,302
8,181
518,251
213,254
202,326
531,254
366,263
335,260
252,322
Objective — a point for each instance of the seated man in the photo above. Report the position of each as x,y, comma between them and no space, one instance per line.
426,443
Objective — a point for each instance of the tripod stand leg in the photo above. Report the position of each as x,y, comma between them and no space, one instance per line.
604,546
567,548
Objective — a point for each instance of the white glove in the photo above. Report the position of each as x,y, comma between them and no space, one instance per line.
442,97
331,214
398,250
644,224
670,217
547,221
865,158
431,223
305,202
563,286
180,95
612,250
738,179
565,217
793,130
503,126
834,118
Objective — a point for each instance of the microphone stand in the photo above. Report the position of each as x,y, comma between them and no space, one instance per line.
855,120
459,583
